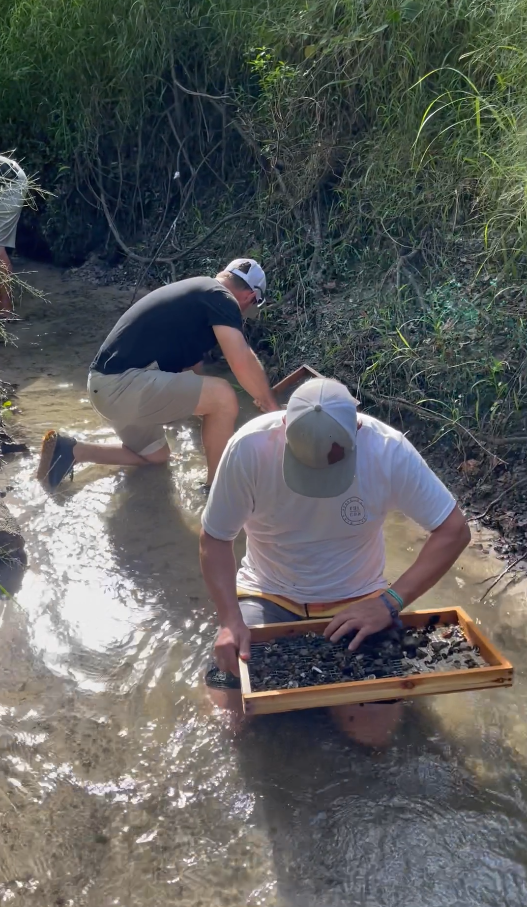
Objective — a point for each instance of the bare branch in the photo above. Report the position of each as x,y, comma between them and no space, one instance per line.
501,575
244,214
500,497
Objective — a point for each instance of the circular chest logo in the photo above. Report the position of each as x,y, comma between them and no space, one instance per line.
353,512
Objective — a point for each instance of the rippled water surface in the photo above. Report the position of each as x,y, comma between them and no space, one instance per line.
120,785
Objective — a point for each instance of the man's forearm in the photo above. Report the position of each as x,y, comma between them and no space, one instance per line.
251,375
218,565
440,551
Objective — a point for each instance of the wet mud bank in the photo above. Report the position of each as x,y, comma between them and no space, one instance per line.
12,543
11,539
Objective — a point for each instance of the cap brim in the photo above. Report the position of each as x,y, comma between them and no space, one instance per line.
319,483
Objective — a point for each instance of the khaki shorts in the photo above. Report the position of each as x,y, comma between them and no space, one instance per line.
138,403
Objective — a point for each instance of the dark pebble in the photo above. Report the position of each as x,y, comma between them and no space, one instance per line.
435,618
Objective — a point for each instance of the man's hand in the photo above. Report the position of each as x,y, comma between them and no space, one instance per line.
265,407
363,619
232,641
219,570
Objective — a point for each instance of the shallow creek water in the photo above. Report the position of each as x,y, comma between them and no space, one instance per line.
119,784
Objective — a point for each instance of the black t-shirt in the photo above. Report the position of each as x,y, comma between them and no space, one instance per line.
171,326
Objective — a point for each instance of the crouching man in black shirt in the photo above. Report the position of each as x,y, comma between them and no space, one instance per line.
147,373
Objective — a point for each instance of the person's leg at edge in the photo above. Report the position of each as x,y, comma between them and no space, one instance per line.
219,408
6,270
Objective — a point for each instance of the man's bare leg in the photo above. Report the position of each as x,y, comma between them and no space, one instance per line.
219,407
116,455
59,454
371,724
217,404
6,270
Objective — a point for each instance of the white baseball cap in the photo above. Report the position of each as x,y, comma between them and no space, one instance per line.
250,271
320,454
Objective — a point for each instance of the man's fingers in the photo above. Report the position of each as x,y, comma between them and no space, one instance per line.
232,662
361,635
227,659
337,621
245,647
228,645
357,617
349,626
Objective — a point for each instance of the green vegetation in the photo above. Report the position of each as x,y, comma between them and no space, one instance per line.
387,129
455,358
407,117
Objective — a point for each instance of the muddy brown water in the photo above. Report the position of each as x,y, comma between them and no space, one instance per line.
119,784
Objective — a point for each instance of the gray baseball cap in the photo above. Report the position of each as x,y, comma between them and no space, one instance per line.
320,454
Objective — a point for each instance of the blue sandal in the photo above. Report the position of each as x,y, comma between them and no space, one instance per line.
56,459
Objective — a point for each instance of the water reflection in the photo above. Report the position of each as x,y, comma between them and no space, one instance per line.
120,785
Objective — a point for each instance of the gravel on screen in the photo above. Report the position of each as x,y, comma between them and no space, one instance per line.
311,660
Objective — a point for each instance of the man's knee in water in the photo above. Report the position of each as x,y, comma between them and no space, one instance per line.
370,724
217,396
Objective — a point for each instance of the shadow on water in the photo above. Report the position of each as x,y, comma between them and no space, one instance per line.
155,544
150,540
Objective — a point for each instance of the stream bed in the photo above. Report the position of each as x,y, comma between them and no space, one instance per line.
119,782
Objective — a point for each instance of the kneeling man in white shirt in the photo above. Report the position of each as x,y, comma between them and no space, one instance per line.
312,488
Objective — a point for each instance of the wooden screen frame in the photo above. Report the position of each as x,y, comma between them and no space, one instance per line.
303,373
499,674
